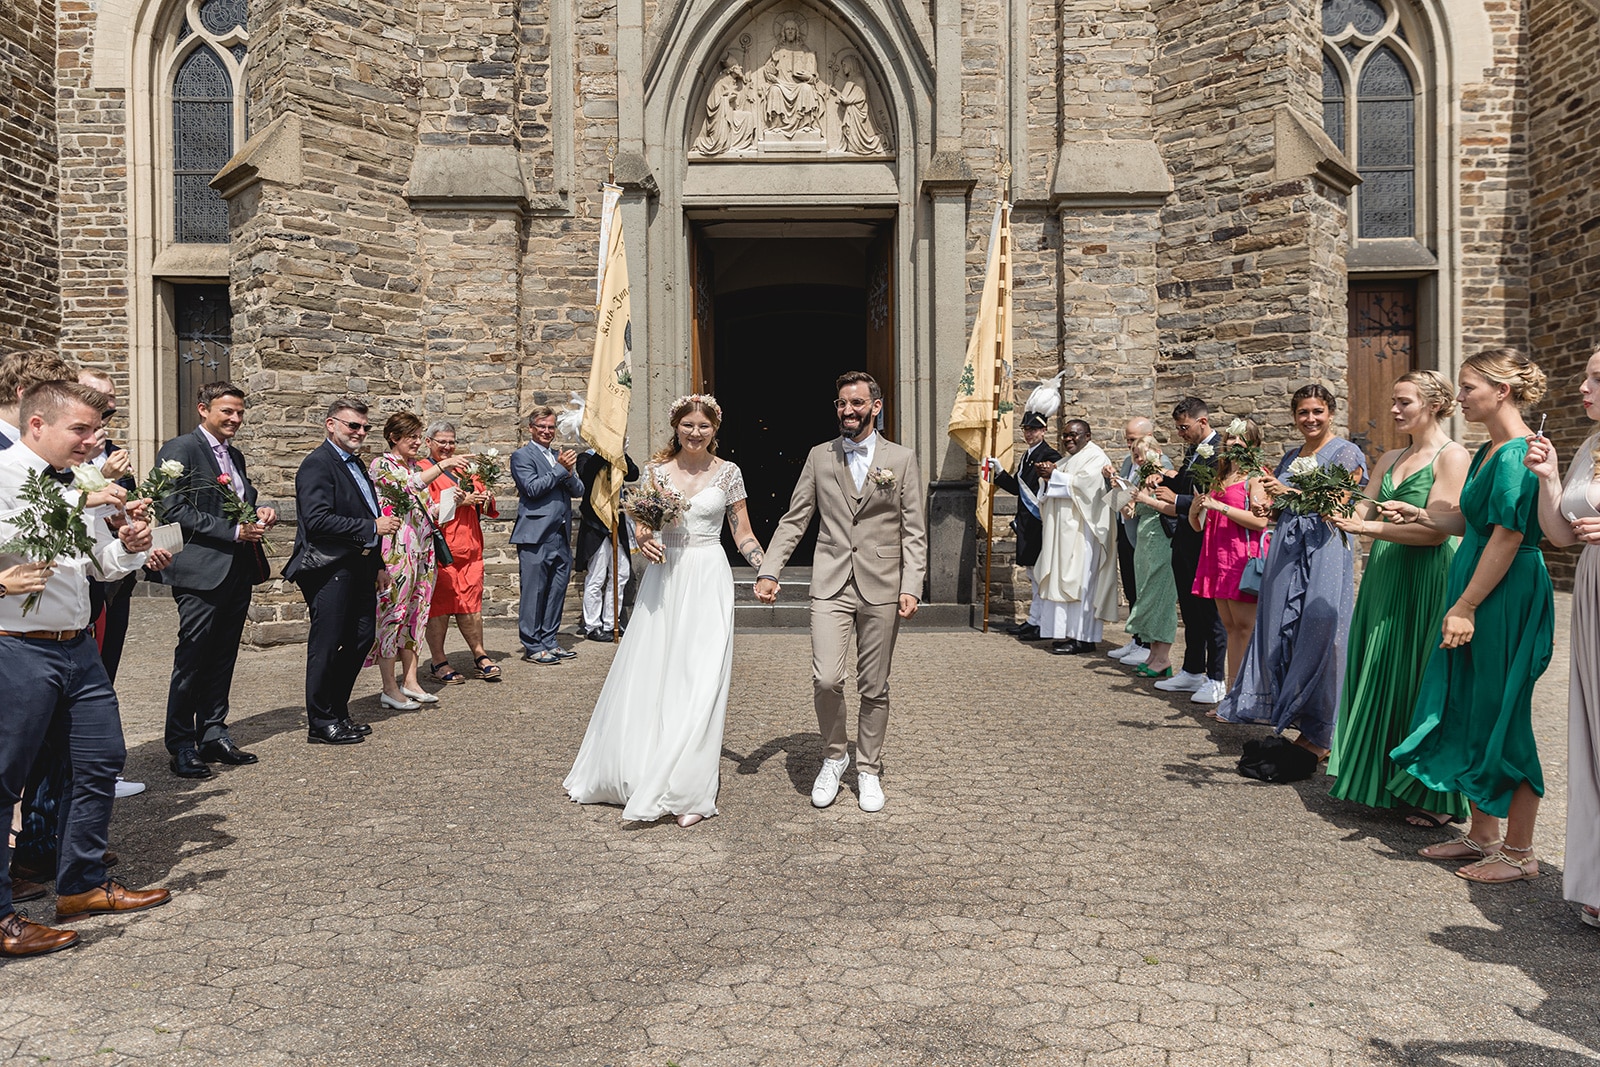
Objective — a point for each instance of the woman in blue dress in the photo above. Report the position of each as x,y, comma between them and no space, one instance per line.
1293,671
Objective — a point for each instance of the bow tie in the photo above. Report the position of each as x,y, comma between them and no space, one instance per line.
64,477
852,448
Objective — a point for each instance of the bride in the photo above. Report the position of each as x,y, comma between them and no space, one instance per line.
654,742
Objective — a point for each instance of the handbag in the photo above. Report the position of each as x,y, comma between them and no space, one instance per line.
1255,568
442,556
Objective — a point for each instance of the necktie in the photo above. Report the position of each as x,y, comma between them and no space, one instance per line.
64,477
226,467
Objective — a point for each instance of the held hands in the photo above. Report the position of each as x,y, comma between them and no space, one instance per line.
1460,622
767,590
1541,457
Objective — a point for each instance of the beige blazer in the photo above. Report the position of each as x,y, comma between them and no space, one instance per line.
878,536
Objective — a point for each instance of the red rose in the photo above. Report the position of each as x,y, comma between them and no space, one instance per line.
223,479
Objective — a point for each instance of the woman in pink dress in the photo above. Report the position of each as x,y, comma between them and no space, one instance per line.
1231,535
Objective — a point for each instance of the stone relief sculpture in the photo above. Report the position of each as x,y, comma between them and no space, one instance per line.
730,124
782,106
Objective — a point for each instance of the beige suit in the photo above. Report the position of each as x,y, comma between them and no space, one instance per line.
872,546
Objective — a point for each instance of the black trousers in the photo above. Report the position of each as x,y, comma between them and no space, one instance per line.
343,602
210,624
1205,639
1130,587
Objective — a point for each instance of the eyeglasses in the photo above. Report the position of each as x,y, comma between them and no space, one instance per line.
859,405
355,427
108,414
443,443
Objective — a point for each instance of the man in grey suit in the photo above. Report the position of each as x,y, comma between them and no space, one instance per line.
546,485
872,556
211,579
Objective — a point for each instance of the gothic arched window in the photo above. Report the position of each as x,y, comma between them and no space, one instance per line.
207,66
1370,76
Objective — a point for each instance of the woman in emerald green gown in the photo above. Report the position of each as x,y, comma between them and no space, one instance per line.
1473,727
1396,620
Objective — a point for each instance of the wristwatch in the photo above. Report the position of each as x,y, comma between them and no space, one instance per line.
2,591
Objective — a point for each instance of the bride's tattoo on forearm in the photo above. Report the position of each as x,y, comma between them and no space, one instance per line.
750,549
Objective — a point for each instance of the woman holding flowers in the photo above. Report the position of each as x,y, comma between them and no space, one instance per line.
1473,726
1226,522
654,742
403,602
458,592
1291,673
1396,620
1570,514
1154,618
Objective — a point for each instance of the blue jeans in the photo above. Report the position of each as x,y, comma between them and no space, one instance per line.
60,690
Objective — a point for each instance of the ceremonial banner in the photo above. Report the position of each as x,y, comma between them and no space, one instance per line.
605,409
980,421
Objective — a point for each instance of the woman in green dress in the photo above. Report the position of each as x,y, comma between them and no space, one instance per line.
1473,727
1397,611
1154,618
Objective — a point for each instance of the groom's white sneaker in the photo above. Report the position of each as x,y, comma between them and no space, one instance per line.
869,791
826,786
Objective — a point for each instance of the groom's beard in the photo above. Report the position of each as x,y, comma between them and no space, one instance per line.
851,425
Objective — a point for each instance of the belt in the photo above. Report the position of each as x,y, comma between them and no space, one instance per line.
42,635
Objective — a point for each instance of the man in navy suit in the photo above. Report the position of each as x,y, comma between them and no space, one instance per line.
211,581
338,565
546,485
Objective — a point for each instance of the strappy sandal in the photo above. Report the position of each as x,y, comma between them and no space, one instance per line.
1473,849
444,675
488,669
1475,872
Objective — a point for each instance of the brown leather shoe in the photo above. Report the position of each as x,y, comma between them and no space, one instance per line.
22,889
108,898
19,937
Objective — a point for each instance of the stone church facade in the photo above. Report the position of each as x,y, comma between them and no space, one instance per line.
400,200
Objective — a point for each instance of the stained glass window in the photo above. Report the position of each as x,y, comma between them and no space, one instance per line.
221,16
1333,101
202,141
1367,16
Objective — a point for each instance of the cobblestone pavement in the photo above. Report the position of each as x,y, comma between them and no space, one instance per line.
1068,872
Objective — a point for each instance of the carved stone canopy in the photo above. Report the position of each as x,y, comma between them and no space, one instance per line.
790,84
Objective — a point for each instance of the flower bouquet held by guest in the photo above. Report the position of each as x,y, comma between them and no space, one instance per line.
458,589
1396,620
1292,672
1153,620
405,599
1570,514
654,741
1473,726
1227,521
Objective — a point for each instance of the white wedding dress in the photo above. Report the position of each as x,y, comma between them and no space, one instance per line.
654,742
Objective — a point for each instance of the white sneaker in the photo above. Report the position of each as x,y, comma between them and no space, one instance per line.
1123,650
826,787
1210,693
1182,682
128,789
869,792
1136,657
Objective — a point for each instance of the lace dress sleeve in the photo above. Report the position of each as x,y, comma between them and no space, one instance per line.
731,481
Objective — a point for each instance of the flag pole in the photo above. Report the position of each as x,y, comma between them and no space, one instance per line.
1002,327
616,591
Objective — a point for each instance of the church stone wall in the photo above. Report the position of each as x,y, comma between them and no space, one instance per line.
30,308
1564,122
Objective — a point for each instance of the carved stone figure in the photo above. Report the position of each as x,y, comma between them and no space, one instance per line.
730,125
855,121
794,107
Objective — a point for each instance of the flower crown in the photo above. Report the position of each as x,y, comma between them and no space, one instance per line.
705,400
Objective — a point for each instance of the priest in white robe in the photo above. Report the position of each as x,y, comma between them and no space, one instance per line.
1077,568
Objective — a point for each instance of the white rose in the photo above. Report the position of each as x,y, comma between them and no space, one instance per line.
1303,465
492,453
86,477
171,468
1204,451
1237,428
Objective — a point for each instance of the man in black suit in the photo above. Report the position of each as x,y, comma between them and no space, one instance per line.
338,564
1029,530
601,595
1205,640
211,580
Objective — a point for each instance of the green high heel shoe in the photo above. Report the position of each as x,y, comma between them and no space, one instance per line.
1145,672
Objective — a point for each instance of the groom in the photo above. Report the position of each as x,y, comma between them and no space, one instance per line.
872,554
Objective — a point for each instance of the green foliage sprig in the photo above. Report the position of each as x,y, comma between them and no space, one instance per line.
49,529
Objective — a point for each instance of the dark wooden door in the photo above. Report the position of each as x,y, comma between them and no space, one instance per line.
1383,346
880,323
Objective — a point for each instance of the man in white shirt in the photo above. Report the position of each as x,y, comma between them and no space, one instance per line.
55,678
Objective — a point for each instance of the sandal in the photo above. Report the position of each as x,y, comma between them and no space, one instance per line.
443,674
1472,849
1590,916
1477,872
1433,820
1145,672
488,669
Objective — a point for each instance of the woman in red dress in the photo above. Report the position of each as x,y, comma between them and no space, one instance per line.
459,590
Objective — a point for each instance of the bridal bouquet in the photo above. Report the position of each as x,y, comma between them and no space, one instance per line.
1330,490
49,528
653,505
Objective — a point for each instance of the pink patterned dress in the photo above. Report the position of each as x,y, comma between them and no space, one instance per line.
408,555
1225,546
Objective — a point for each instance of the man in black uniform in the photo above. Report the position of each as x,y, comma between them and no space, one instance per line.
1030,533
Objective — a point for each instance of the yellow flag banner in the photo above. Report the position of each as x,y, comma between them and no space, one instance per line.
605,409
981,420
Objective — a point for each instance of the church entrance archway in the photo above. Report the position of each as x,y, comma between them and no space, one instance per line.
781,310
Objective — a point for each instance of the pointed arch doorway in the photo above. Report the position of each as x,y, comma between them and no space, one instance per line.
779,310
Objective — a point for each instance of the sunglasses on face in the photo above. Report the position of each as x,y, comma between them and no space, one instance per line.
355,427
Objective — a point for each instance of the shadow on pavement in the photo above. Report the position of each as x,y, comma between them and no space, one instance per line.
802,757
